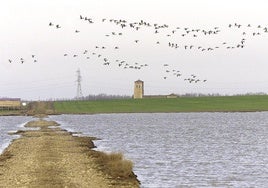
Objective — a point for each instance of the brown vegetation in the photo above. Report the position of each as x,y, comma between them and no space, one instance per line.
115,165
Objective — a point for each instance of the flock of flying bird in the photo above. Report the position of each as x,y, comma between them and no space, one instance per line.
160,30
106,61
22,60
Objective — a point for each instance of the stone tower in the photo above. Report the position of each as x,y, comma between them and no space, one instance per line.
138,89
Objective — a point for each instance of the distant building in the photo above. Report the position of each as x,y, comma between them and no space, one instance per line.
10,103
172,96
139,92
138,89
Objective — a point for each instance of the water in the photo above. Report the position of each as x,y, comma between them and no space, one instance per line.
10,124
184,149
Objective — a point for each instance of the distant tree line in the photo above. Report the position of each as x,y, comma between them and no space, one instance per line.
218,94
104,96
101,96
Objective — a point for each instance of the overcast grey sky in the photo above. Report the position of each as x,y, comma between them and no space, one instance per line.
25,31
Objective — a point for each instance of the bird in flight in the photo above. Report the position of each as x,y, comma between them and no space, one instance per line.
181,32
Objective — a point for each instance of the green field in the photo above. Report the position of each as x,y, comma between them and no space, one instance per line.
183,104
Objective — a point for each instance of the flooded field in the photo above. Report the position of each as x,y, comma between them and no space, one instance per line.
10,123
184,149
176,150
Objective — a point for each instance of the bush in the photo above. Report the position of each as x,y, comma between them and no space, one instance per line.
115,165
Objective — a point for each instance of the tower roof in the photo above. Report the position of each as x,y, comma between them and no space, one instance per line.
138,81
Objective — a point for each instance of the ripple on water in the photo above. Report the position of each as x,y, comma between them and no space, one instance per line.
11,124
184,149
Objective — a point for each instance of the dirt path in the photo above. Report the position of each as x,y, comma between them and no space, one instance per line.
40,108
52,157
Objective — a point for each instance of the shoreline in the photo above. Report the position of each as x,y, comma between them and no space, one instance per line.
173,112
52,156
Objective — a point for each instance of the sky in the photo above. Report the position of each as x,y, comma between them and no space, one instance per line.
25,31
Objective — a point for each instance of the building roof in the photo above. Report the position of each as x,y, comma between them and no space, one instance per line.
9,99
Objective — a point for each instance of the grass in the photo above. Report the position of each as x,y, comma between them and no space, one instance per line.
114,164
183,104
